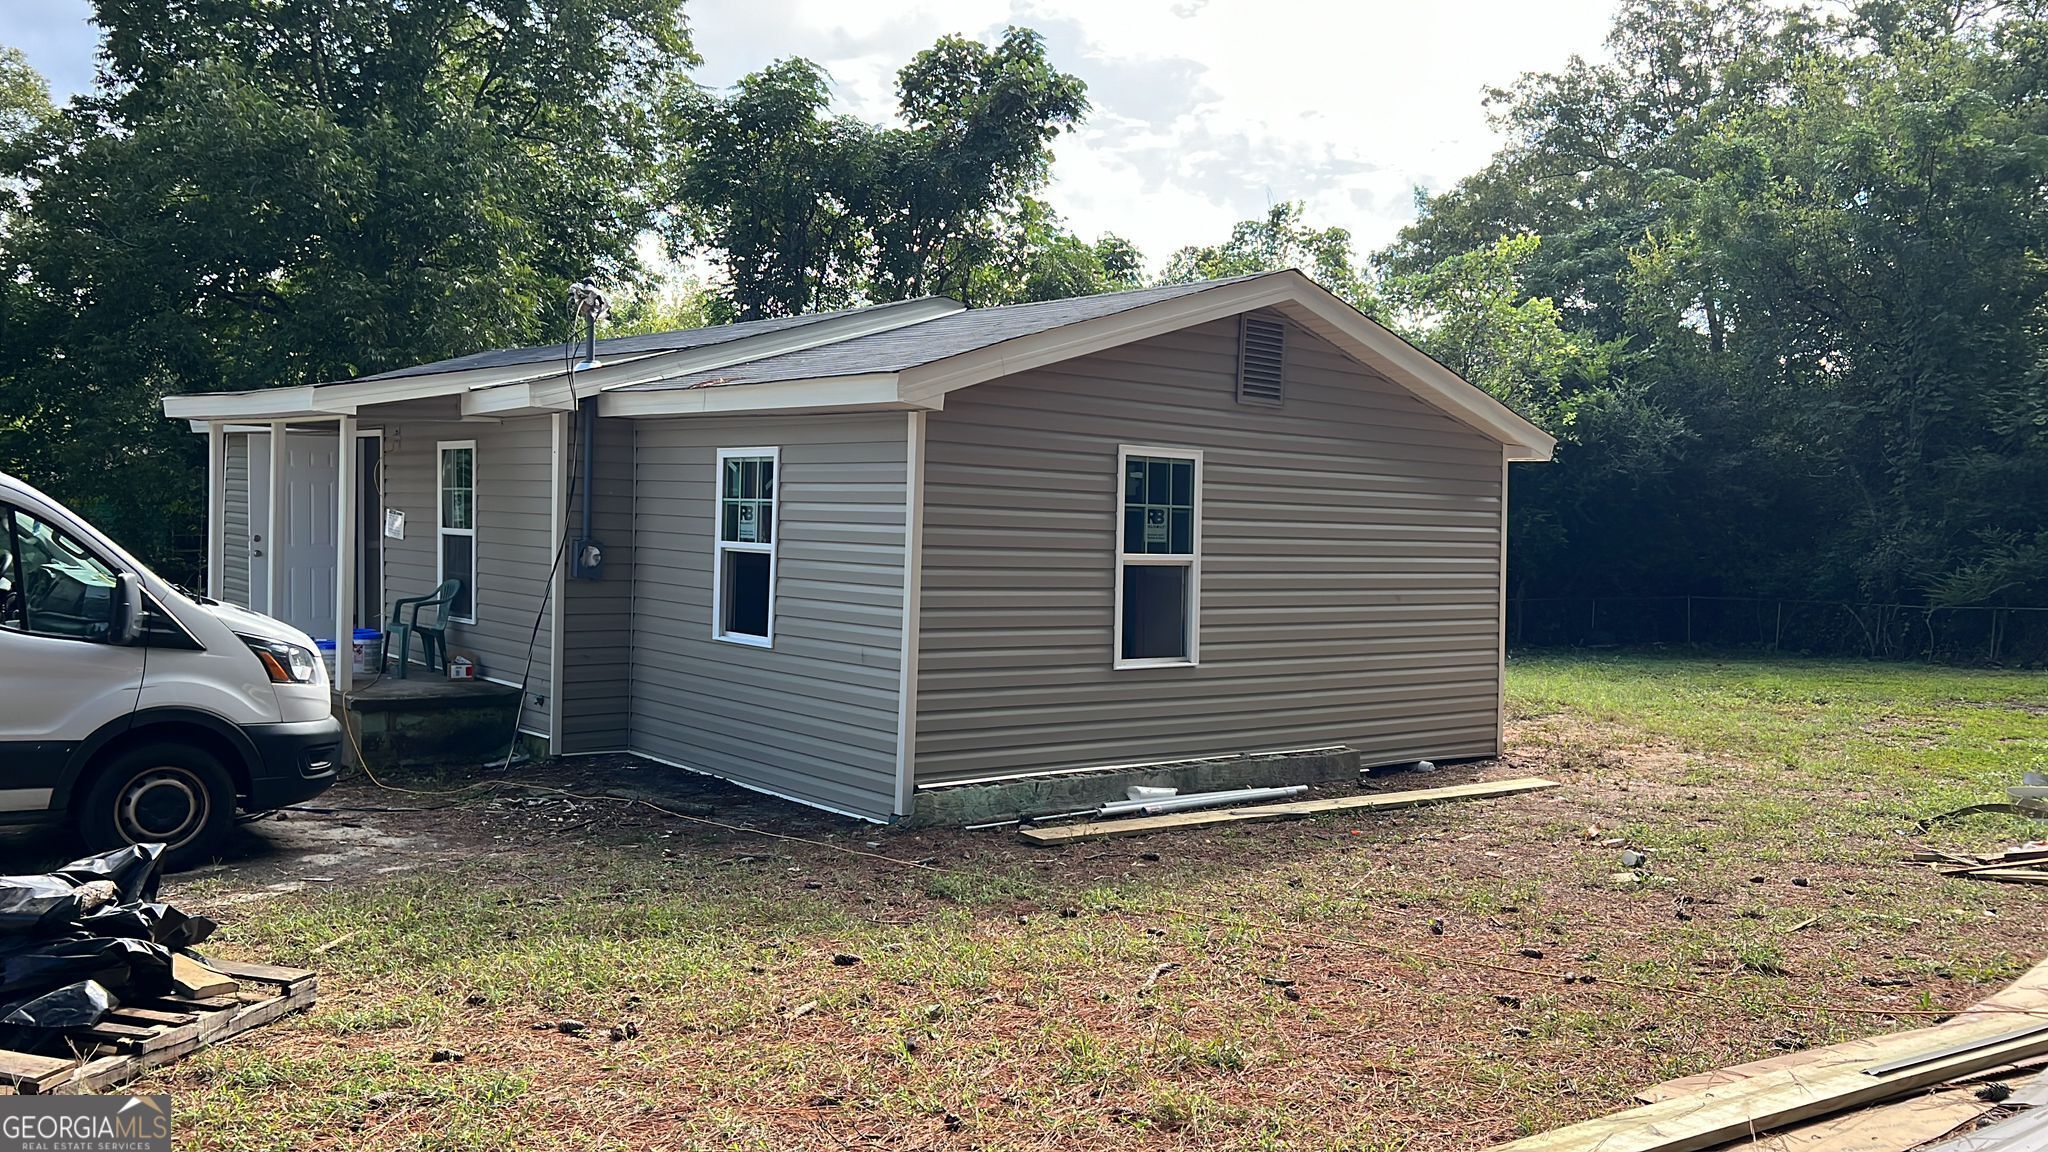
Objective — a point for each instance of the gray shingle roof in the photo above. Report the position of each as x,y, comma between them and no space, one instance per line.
932,340
611,347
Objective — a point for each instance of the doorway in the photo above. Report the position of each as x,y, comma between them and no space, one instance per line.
305,597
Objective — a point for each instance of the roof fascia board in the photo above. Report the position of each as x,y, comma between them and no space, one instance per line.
1344,325
261,405
1436,385
878,391
540,386
525,398
839,329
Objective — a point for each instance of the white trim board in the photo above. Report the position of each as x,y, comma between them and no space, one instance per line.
913,591
441,529
1191,560
1289,292
548,384
721,547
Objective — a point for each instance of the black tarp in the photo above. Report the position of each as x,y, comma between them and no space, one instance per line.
28,1025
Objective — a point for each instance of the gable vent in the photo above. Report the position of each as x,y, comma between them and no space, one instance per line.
1261,355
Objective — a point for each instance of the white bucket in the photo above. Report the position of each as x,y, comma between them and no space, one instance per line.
369,651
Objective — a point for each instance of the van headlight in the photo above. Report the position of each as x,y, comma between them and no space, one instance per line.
285,663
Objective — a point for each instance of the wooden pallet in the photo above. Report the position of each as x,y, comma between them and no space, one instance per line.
142,1035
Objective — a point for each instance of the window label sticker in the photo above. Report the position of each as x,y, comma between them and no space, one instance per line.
748,534
1155,527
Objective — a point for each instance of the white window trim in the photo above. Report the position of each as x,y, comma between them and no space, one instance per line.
441,529
720,546
1193,562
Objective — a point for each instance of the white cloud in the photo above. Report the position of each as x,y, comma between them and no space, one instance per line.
1206,111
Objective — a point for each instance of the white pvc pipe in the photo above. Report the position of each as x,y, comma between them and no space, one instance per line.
1199,800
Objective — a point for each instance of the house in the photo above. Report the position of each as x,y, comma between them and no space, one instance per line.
845,557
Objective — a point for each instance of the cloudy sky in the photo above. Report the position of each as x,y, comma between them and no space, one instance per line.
1206,111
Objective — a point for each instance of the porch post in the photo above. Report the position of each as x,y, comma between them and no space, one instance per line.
344,556
274,529
216,506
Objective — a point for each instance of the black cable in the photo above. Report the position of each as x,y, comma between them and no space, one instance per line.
548,591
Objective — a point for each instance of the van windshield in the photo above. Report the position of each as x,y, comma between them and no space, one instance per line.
49,583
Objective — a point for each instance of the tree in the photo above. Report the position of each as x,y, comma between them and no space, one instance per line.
24,98
802,210
768,185
276,192
1280,239
1038,258
1812,242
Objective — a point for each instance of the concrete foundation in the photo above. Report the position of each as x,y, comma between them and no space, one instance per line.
958,804
432,723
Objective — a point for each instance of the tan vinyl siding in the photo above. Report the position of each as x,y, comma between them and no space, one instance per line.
814,718
235,523
598,614
514,545
1349,580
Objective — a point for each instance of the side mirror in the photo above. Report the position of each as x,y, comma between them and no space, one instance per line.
127,623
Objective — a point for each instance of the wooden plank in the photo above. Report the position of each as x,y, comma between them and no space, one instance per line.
1968,869
1893,1127
2012,875
1779,1098
230,1017
2028,993
130,1015
27,1073
192,977
267,973
1293,810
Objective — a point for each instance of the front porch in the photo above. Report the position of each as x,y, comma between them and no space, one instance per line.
429,721
360,510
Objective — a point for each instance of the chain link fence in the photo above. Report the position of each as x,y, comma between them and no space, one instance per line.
2011,637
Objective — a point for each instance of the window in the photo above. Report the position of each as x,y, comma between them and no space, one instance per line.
49,583
743,569
1261,359
457,525
1158,557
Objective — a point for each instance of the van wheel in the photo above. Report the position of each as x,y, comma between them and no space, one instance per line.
172,794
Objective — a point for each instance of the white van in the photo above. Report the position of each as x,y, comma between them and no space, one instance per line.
136,710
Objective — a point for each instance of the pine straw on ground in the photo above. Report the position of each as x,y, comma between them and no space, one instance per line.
1342,982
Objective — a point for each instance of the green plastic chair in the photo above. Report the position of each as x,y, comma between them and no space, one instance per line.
433,636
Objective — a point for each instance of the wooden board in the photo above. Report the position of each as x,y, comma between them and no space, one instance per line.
1785,1096
192,978
2029,993
263,973
1292,810
2027,875
137,1037
1893,1127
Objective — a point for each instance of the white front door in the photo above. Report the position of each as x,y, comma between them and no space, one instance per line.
305,598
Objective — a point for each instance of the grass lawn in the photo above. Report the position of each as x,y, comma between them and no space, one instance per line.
1386,982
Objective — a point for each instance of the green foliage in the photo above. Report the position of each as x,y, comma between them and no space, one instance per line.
1281,239
804,211
1472,313
283,191
1037,258
24,97
1810,248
